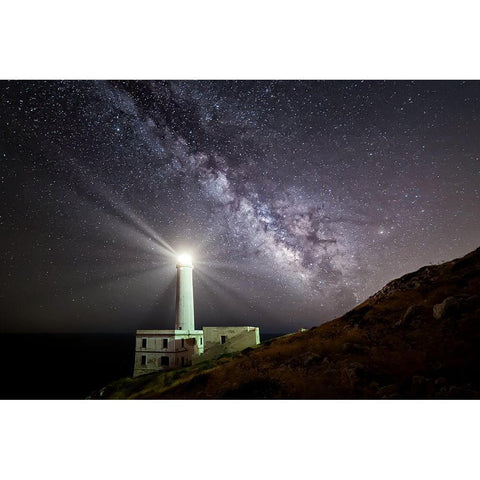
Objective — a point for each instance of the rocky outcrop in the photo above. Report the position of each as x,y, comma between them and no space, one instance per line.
431,275
412,281
412,316
448,307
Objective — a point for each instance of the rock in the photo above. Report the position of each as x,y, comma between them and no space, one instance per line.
353,372
409,315
446,308
412,310
311,359
387,391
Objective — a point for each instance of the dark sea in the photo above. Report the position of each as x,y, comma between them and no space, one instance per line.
65,366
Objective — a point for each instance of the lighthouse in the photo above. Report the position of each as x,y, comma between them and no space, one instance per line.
184,312
157,350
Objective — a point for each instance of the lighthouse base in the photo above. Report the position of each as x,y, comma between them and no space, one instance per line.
158,350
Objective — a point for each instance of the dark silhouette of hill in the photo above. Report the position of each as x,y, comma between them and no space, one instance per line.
418,337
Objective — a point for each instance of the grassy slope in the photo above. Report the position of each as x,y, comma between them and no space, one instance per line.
364,354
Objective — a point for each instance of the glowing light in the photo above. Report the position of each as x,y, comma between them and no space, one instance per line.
184,260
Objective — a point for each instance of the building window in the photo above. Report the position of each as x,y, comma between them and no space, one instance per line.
165,342
164,361
183,361
144,343
183,342
223,339
144,360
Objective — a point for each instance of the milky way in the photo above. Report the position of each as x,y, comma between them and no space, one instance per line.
298,200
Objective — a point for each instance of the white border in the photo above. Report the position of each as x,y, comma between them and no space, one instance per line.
239,439
252,39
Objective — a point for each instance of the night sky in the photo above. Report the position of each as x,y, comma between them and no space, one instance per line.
296,199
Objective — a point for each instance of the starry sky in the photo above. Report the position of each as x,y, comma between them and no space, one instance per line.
296,199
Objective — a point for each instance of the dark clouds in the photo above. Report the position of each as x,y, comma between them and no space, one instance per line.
298,199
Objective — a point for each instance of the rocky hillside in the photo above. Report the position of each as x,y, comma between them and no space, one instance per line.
418,337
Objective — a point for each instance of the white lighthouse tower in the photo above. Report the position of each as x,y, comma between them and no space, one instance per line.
184,313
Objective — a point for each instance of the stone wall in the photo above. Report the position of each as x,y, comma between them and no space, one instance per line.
235,339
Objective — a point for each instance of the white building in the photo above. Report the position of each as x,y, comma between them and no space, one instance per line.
157,350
